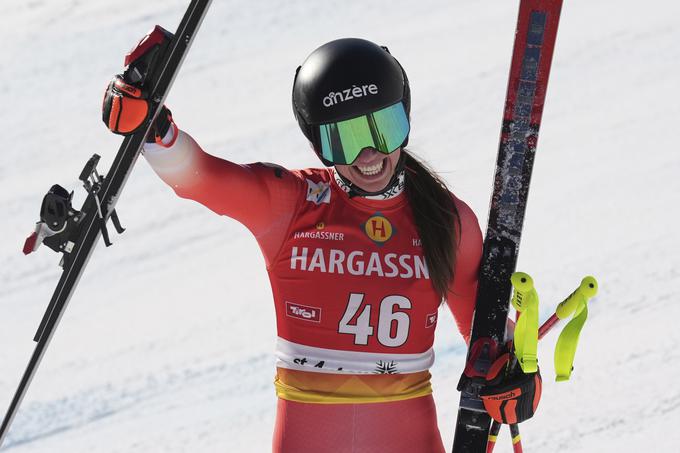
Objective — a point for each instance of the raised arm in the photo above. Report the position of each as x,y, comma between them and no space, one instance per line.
263,197
260,196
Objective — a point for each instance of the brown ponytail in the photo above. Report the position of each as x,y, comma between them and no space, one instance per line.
436,219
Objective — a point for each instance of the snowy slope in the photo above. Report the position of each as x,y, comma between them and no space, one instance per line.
167,344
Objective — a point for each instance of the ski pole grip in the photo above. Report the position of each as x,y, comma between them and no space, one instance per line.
524,289
575,305
586,290
525,301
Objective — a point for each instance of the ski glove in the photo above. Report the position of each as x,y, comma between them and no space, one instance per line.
125,109
509,395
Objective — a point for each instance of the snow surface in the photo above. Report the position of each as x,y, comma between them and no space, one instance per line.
167,343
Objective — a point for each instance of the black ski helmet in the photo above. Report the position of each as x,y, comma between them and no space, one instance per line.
346,79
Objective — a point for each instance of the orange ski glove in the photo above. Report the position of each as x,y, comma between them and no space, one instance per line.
510,396
125,108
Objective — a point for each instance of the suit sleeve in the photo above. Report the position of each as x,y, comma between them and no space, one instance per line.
463,289
263,197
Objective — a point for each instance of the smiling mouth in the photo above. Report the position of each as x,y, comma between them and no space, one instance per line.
371,170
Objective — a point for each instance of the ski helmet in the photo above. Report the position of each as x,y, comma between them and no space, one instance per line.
350,94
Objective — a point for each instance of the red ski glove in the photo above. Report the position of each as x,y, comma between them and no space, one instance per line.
511,396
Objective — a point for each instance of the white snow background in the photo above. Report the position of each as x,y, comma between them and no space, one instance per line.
167,344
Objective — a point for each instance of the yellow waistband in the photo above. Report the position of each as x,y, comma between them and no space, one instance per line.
325,388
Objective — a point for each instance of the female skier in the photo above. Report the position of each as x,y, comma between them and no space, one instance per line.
360,254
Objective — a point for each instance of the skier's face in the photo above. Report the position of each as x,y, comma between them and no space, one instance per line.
372,170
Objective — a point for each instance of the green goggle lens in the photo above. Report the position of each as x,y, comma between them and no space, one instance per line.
385,130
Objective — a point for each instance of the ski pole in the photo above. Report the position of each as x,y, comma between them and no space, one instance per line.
527,333
514,433
586,290
493,435
516,438
525,340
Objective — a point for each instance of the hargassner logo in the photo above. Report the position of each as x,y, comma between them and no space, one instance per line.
347,94
378,228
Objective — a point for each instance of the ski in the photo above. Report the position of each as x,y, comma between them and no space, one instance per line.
76,232
532,55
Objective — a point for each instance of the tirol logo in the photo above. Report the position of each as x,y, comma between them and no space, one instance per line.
431,320
378,229
303,312
347,94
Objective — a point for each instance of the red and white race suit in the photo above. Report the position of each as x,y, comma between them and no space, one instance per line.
355,308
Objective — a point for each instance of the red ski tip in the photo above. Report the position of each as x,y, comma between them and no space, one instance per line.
29,245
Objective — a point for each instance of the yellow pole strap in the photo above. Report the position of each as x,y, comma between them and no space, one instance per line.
525,301
577,305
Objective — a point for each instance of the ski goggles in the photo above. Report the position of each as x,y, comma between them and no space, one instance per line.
385,130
